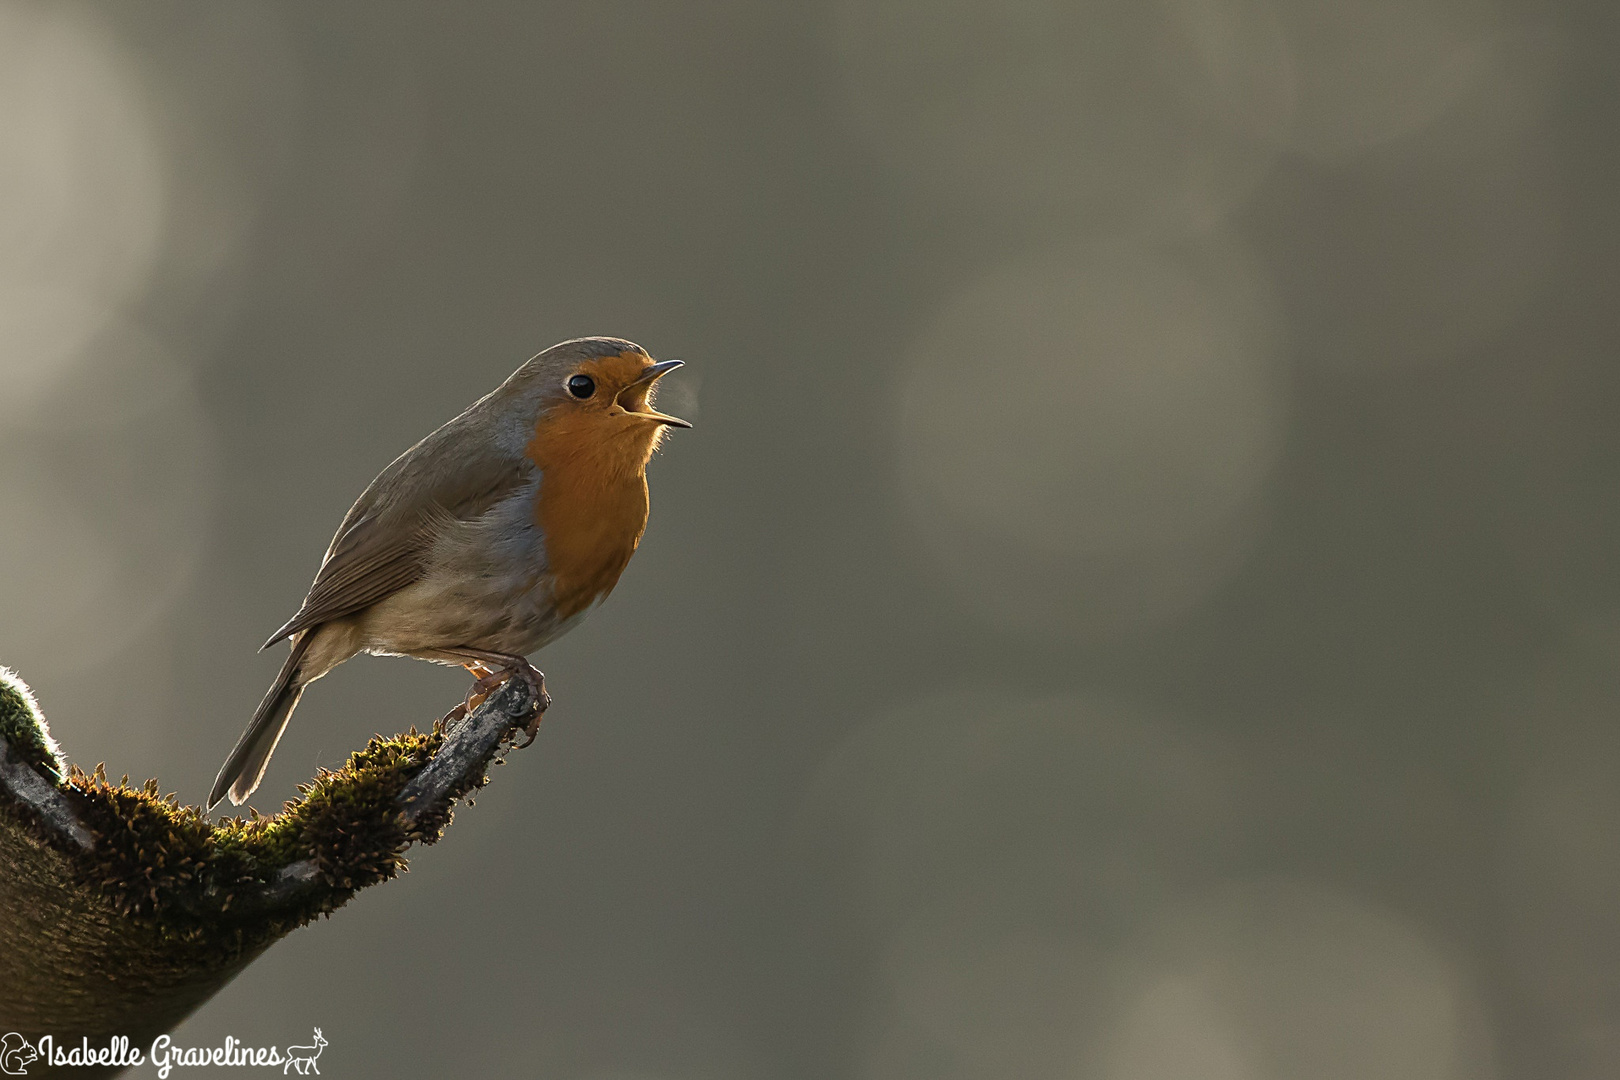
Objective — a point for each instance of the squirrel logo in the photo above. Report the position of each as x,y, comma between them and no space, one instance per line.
15,1054
302,1058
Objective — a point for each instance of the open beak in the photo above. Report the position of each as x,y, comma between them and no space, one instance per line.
651,375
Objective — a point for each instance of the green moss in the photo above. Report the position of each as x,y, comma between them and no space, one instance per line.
22,725
201,881
218,886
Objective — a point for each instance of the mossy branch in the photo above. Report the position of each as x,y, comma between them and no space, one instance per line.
122,911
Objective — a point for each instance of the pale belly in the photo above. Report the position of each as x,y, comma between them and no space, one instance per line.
513,615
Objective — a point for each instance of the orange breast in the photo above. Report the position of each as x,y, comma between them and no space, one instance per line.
591,508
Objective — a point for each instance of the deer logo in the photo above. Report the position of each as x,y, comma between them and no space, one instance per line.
15,1054
303,1058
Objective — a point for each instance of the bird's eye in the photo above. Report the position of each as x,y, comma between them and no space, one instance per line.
582,386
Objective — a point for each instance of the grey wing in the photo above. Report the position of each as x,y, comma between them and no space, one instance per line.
383,542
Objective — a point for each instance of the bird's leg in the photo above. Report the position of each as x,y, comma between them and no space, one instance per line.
502,666
487,680
484,680
475,695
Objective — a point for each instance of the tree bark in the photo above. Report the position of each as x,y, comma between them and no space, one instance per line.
121,911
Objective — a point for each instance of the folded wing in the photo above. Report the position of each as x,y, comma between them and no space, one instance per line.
382,545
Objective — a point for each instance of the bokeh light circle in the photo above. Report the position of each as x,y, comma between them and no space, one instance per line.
1045,809
81,191
1283,977
1102,112
108,486
1085,437
1372,71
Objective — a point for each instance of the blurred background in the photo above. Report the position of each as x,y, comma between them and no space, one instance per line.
1139,601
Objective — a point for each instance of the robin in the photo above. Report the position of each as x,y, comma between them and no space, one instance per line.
483,542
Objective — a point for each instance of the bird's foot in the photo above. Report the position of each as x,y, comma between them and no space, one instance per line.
492,670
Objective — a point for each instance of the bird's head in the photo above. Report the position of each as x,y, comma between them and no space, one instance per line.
595,396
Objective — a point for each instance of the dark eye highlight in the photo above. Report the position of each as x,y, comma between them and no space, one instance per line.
581,386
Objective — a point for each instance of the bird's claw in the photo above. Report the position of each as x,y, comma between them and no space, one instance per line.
542,702
454,716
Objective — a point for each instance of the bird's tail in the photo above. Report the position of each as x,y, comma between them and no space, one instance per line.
243,770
